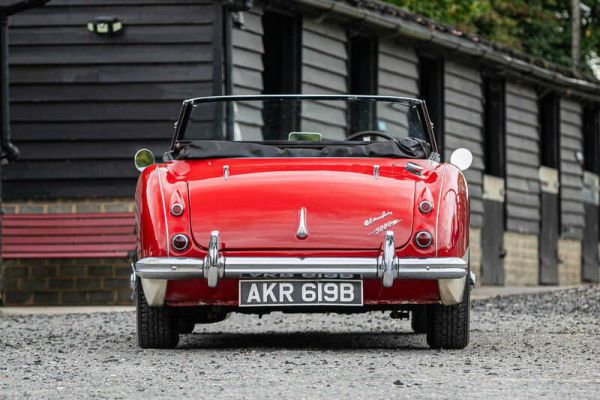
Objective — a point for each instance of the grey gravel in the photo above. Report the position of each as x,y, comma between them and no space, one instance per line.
524,346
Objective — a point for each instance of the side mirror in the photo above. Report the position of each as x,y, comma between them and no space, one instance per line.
143,158
461,158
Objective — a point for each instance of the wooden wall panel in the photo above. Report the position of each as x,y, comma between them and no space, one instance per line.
247,73
464,125
324,71
83,103
571,173
398,76
523,159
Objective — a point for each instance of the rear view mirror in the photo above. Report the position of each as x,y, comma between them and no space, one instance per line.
143,158
461,158
304,136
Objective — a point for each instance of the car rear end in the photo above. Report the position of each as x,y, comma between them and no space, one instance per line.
300,226
301,236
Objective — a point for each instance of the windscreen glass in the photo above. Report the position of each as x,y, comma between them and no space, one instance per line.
283,119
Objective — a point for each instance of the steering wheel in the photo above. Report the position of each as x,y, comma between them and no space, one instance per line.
370,133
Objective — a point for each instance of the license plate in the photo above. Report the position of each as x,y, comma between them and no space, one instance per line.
261,293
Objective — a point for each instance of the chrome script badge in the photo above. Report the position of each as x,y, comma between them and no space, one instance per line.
384,227
374,219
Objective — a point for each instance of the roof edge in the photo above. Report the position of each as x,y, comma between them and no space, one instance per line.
481,49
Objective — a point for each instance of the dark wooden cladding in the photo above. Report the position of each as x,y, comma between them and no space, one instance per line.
131,13
122,54
87,150
114,73
95,111
463,126
109,92
77,169
136,34
98,188
83,103
99,130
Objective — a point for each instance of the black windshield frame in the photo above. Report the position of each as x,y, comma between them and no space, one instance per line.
188,104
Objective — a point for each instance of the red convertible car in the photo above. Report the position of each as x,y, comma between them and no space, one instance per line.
310,203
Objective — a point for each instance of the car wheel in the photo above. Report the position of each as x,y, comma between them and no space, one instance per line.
418,320
157,327
448,326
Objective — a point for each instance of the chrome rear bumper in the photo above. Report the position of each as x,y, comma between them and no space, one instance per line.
388,267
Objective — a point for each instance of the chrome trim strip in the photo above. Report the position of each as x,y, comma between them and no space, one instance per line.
432,274
162,195
399,99
233,267
237,266
437,211
225,172
387,266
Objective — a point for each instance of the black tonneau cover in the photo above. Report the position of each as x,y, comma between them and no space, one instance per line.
403,148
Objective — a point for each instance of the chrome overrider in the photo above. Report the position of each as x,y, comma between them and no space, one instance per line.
450,272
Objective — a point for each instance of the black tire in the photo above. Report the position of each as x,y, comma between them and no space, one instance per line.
418,320
186,326
448,326
157,327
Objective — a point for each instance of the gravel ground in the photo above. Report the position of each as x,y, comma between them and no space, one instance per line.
533,345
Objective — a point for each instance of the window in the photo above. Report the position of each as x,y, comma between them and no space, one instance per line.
494,126
549,108
591,131
549,127
431,89
362,79
282,65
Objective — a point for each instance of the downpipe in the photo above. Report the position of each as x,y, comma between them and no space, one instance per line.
9,152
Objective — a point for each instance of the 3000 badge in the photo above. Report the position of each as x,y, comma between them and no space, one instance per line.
260,293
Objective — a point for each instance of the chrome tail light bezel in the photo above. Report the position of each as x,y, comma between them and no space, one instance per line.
175,239
429,239
177,209
426,206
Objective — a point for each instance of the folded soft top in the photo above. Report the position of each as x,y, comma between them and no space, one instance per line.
403,148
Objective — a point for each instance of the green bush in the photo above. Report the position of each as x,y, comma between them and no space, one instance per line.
541,28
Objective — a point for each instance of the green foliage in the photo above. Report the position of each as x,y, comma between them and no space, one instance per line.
541,28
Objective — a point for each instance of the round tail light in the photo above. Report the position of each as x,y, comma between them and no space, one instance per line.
423,239
177,209
425,206
180,242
